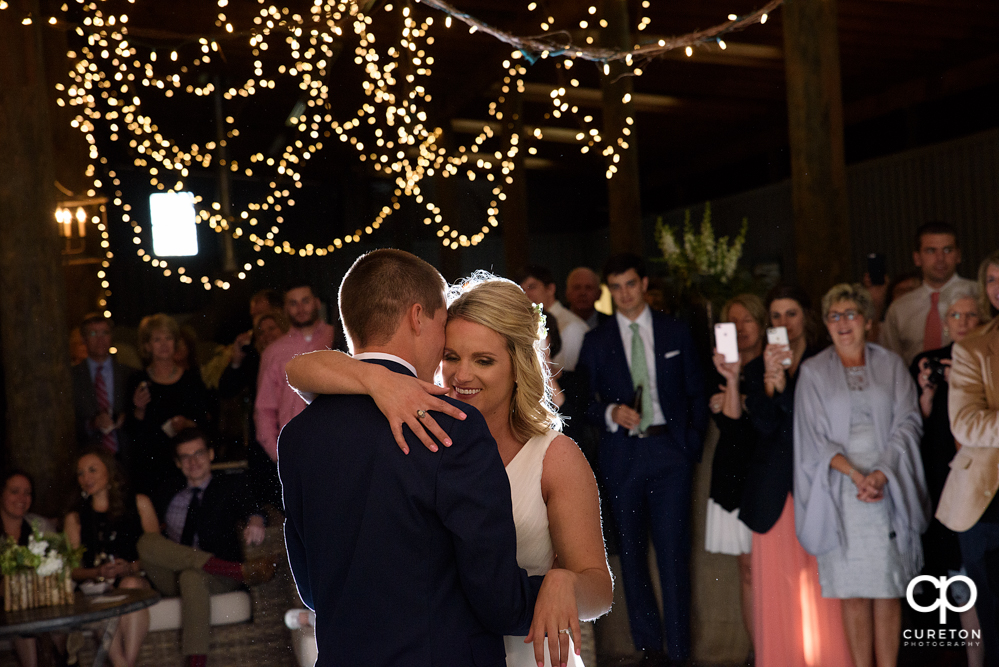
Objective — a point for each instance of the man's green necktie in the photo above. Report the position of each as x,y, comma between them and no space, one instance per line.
640,376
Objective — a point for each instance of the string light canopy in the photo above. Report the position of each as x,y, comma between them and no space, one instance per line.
113,72
390,129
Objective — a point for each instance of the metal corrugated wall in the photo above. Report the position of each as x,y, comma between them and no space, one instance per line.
889,197
957,182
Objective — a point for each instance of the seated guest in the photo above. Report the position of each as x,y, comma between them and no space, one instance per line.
931,369
966,502
100,386
108,521
201,552
860,495
166,399
15,502
724,532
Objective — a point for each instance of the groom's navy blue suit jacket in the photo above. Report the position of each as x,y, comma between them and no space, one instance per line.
407,560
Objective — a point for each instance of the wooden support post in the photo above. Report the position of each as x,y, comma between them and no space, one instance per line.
623,191
222,163
815,126
516,242
38,389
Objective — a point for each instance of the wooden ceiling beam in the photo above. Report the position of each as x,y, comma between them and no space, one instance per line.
968,76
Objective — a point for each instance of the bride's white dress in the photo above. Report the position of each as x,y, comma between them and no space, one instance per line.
535,552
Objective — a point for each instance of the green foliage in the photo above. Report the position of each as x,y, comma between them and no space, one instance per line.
700,255
46,553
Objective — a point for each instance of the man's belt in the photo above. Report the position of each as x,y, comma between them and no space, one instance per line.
653,431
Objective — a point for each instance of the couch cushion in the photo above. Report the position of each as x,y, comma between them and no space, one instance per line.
227,608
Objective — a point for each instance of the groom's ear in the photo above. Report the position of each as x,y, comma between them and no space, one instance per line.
414,318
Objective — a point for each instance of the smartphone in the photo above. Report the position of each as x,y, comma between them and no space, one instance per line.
778,336
876,268
725,341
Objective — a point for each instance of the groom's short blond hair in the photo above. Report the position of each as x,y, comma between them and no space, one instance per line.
379,288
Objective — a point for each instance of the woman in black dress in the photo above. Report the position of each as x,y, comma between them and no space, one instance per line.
109,521
166,399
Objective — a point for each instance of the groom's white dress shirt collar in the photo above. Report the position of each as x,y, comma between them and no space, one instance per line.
384,356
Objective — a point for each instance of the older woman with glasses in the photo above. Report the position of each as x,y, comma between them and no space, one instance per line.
967,502
860,496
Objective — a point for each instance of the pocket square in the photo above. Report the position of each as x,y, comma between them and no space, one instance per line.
672,353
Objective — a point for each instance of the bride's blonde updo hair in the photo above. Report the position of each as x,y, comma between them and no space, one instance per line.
500,305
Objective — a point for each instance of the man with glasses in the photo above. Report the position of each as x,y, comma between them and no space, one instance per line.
200,553
99,388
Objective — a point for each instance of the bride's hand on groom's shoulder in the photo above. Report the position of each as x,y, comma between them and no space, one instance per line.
408,400
555,612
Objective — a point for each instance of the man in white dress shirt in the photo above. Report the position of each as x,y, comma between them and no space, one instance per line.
539,285
646,394
915,322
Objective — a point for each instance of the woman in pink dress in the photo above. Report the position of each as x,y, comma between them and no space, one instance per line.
794,626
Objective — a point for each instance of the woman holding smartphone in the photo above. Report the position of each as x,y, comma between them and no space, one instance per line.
746,318
793,625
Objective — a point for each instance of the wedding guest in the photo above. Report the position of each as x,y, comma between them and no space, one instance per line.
914,322
582,290
931,369
276,402
860,496
551,346
786,595
200,552
186,350
539,286
724,532
967,500
647,395
15,501
108,521
100,391
166,399
885,295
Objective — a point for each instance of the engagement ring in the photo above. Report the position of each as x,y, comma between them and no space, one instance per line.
420,414
566,631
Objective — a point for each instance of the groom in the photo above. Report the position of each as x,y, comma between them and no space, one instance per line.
407,560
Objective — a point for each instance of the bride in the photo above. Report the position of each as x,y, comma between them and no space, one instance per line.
494,361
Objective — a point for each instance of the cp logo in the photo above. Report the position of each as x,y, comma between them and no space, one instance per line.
943,583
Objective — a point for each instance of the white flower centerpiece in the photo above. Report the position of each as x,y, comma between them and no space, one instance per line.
38,575
703,268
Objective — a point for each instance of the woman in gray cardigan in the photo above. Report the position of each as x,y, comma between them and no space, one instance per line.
860,495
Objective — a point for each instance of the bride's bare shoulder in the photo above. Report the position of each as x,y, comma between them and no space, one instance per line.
564,461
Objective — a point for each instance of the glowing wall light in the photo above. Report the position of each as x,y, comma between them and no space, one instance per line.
175,232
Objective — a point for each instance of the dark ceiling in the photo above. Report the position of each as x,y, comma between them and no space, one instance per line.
913,72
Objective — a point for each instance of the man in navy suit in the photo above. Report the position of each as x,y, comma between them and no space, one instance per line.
407,560
99,392
649,444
